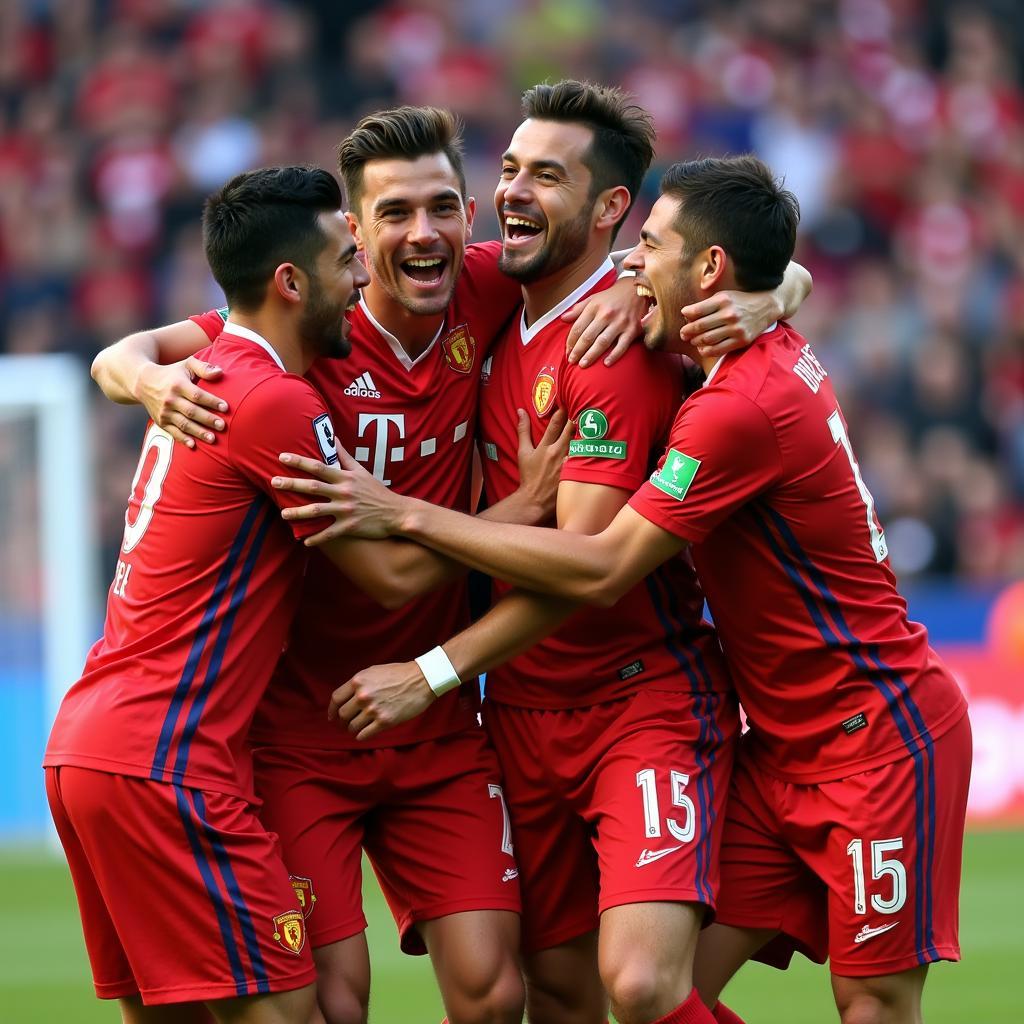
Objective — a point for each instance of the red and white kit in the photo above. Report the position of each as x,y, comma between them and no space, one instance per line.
620,724
844,696
412,424
198,610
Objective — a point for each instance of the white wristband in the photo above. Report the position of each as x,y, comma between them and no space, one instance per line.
625,273
438,671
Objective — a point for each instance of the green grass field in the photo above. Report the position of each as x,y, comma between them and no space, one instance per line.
44,977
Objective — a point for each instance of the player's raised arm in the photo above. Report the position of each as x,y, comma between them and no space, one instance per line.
595,569
605,324
158,370
732,319
395,571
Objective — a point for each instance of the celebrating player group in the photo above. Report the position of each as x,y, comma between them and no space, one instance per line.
288,675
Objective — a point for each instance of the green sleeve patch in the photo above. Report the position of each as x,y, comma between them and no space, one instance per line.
597,449
592,424
223,313
676,475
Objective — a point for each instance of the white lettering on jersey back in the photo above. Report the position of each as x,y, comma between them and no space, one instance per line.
123,571
363,387
809,370
380,440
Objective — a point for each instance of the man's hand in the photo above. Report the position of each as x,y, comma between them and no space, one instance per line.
177,404
360,504
540,468
380,697
729,320
609,320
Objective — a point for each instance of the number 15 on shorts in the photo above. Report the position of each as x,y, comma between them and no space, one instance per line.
646,783
881,865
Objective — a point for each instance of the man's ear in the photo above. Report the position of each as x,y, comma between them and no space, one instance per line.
470,214
290,282
353,226
611,207
713,265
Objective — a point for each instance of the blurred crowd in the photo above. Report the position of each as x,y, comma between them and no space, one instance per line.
898,123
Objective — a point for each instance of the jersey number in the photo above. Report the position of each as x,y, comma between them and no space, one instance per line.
878,545
652,813
159,441
879,866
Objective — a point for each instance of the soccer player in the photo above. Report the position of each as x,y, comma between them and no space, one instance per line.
406,402
184,895
614,735
846,811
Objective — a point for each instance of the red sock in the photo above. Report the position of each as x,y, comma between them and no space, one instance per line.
724,1015
690,1011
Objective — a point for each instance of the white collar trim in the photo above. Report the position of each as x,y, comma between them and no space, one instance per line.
527,334
718,363
230,327
394,344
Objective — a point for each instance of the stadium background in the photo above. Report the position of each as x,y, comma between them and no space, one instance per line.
898,123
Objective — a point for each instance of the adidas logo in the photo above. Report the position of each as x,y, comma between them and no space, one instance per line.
363,387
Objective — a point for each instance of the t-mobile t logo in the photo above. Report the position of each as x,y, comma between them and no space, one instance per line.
380,439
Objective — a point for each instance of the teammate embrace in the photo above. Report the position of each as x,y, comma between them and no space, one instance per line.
615,735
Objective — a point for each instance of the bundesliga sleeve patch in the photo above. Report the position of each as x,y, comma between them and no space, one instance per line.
676,475
324,432
592,426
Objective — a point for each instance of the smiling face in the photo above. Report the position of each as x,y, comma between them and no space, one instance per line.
333,290
543,199
413,226
666,274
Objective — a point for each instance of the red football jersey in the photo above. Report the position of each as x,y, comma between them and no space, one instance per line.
760,476
412,424
654,636
204,590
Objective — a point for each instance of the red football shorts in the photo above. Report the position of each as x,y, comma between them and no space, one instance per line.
431,817
183,894
865,869
614,804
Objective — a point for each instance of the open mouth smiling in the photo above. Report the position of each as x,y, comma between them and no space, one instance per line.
425,270
646,292
521,229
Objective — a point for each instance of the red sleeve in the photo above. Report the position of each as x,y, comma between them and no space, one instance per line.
721,454
622,413
281,414
493,296
212,321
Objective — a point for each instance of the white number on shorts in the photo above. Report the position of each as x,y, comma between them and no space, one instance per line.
878,545
652,813
506,830
879,867
162,442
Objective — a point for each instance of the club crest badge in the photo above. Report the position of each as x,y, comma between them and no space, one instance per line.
303,893
459,349
290,931
544,391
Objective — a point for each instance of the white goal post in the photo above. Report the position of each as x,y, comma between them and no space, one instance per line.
53,391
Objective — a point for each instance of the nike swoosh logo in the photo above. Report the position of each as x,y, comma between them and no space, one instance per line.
650,856
869,933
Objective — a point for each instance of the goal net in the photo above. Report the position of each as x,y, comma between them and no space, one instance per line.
49,600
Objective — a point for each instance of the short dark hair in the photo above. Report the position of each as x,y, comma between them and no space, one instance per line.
623,144
403,133
737,203
261,219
